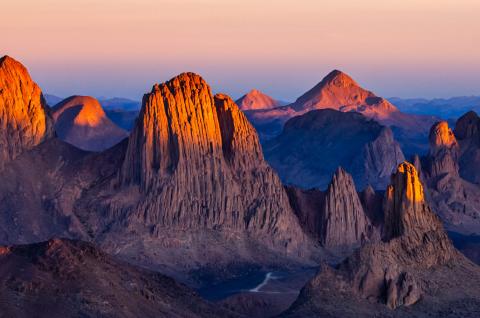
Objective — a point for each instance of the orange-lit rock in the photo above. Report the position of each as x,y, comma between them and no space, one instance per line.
81,121
24,121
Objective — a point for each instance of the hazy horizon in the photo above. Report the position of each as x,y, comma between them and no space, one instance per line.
397,49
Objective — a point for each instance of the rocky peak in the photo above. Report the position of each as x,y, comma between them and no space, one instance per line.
407,215
24,122
255,99
199,161
441,136
444,151
344,222
339,79
468,126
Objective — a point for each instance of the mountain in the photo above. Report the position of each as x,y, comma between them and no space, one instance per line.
120,103
445,108
81,121
188,193
24,118
313,145
65,278
52,99
407,274
340,92
257,100
194,179
124,119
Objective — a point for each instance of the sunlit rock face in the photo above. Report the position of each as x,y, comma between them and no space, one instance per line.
201,161
194,163
405,207
444,151
24,122
415,263
257,100
82,122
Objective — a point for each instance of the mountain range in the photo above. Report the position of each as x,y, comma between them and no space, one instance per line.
187,200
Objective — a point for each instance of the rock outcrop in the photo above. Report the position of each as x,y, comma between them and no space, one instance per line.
413,264
194,164
313,145
335,218
257,100
444,151
81,121
467,132
455,199
65,278
24,119
343,222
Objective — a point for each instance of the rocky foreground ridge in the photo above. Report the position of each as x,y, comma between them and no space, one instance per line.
65,278
410,270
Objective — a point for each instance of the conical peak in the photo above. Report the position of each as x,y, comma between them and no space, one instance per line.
7,61
256,99
88,111
339,79
441,136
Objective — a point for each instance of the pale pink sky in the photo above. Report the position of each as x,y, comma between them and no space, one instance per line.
404,48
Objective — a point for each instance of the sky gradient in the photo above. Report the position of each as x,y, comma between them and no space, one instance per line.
405,48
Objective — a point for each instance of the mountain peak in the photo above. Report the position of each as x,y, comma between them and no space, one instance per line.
256,99
339,91
90,112
82,122
339,79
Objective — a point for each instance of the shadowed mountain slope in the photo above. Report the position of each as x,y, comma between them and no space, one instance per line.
313,145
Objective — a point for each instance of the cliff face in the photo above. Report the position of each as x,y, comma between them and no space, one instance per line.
24,122
313,145
413,262
81,121
343,221
201,158
336,218
194,172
